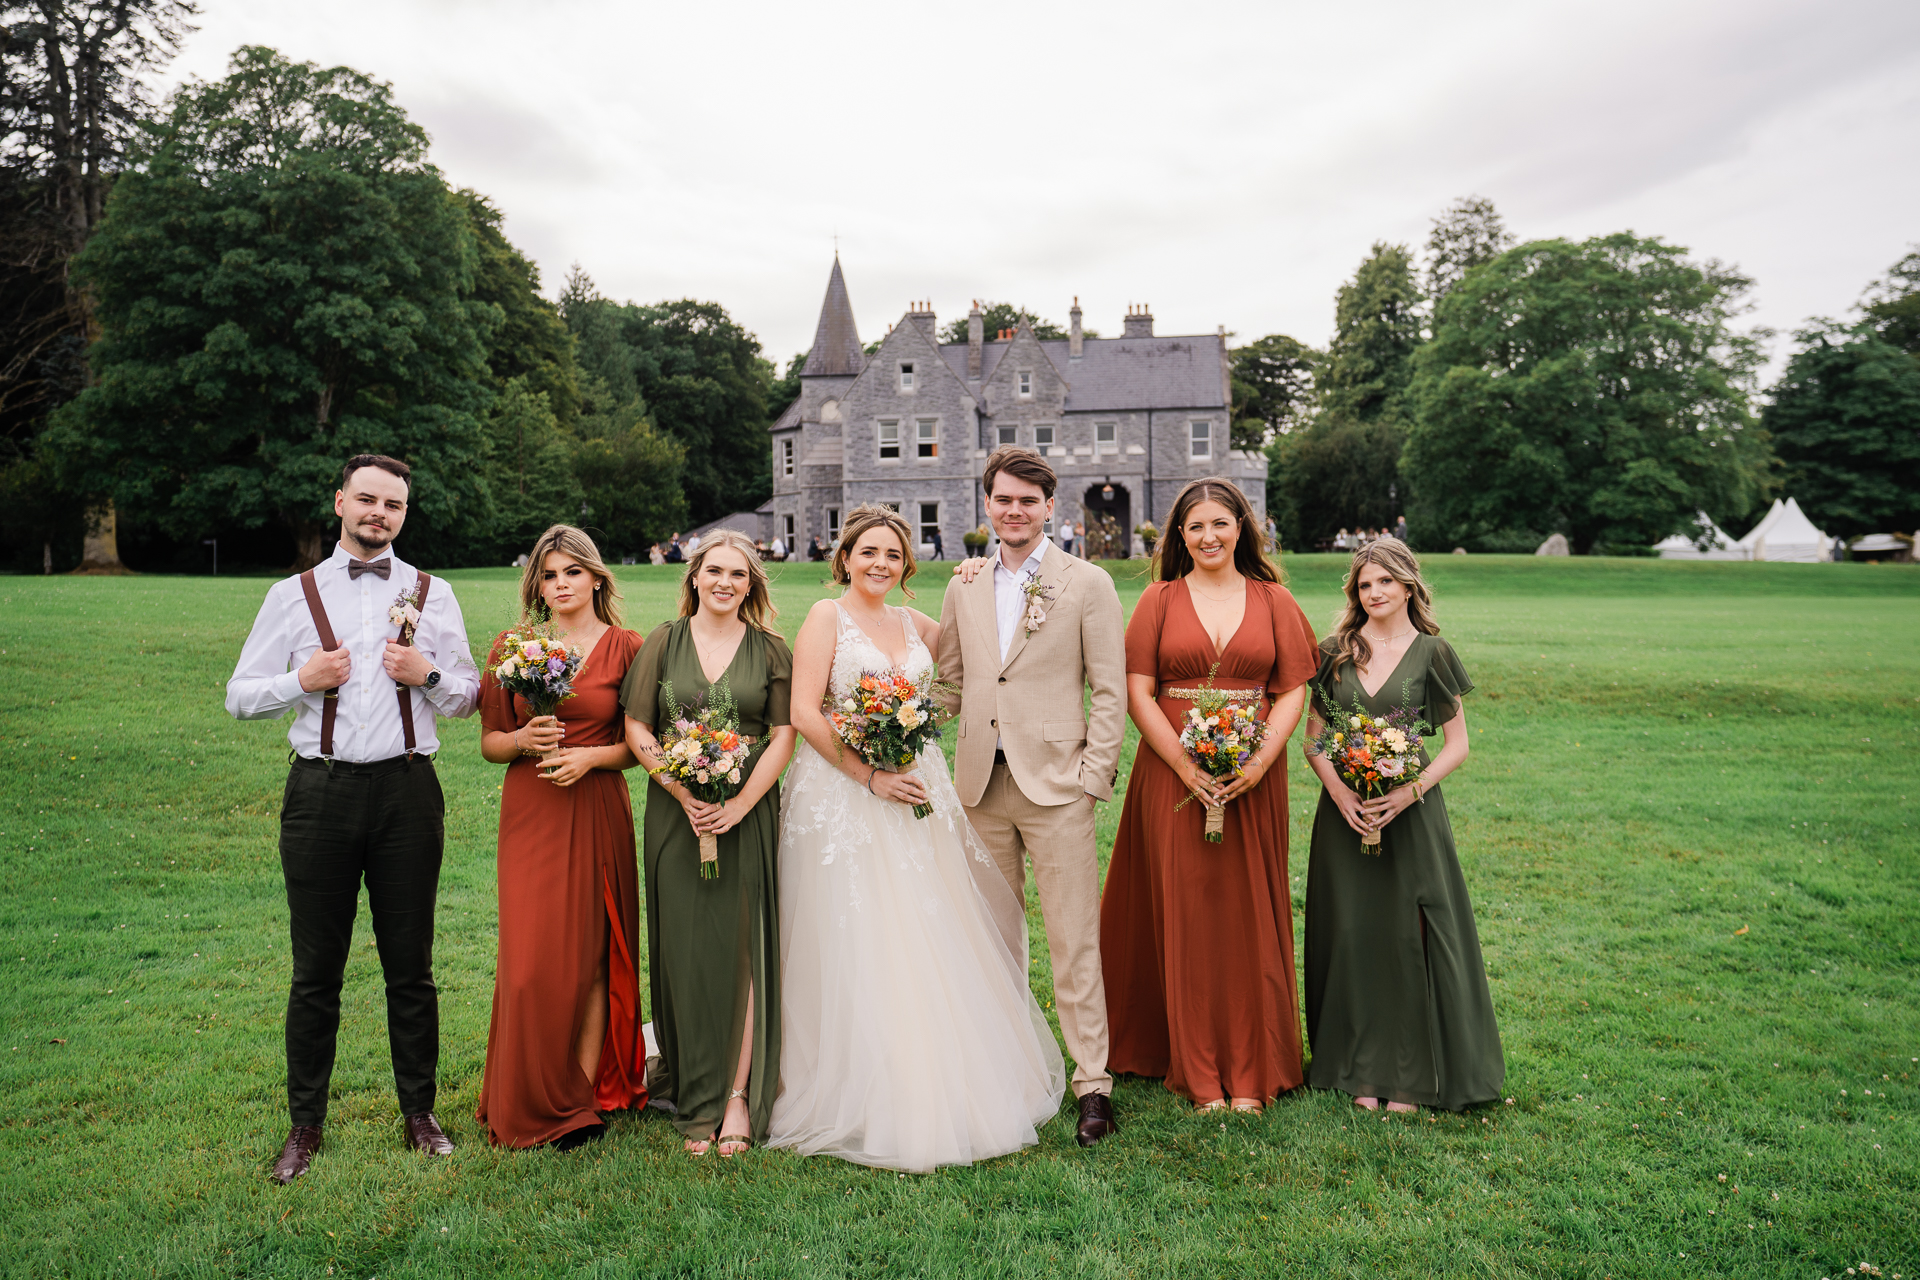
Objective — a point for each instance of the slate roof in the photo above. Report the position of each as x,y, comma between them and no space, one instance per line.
1115,374
836,342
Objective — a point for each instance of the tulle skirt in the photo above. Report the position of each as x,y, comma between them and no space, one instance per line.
912,1039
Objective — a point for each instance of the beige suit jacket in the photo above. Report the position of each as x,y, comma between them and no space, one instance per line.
1058,746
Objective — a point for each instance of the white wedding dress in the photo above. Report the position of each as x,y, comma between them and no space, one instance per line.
909,1036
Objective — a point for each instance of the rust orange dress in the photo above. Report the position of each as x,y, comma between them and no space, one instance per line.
1196,939
567,877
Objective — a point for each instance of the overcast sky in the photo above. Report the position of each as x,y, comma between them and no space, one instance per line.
1227,164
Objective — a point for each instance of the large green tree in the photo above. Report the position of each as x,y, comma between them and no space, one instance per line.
1596,389
697,374
283,283
1892,304
1469,232
1845,419
1376,322
1273,391
1338,473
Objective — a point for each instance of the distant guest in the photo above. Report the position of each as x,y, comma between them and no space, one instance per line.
939,552
675,555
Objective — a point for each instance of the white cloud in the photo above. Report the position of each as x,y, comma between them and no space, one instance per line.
1229,163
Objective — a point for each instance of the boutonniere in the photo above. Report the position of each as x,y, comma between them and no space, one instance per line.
1038,594
404,612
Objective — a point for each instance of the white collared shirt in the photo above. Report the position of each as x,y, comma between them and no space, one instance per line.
366,725
1009,594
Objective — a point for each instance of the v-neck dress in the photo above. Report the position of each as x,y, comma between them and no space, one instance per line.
1397,999
706,939
1196,939
567,880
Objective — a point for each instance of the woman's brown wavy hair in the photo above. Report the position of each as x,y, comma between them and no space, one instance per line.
1171,559
1345,643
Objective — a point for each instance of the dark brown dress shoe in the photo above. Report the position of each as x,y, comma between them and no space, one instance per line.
302,1141
1096,1119
424,1136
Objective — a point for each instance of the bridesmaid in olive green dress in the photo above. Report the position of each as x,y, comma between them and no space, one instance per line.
1398,1010
713,946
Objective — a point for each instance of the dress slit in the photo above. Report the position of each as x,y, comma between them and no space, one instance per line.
622,1082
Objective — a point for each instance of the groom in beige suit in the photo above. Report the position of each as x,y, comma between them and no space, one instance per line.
1021,642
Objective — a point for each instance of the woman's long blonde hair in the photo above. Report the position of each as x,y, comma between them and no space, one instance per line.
578,547
757,609
1345,643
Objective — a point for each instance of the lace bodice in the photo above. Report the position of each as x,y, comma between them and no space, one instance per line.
855,653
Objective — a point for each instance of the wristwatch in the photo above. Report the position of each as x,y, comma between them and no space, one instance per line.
433,678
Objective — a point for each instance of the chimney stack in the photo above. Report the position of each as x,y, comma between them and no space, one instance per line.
1074,338
921,313
976,332
1139,322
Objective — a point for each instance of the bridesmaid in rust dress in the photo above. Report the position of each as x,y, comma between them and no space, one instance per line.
1196,939
565,1044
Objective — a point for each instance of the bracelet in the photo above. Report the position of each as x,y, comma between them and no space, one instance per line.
870,773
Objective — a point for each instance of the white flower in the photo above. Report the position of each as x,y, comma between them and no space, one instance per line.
1389,768
910,716
848,704
1034,617
1353,722
700,775
733,776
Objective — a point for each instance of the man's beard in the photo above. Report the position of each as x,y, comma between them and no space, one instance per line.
373,539
1031,532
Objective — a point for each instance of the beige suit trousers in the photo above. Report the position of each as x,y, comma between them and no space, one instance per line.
1066,869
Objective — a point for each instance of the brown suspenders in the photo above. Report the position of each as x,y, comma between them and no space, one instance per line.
330,700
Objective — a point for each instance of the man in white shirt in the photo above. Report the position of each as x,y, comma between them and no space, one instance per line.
362,799
1023,644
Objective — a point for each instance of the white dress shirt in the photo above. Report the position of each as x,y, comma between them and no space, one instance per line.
366,724
1009,596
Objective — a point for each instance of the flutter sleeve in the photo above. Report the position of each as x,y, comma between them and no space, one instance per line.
1323,685
1143,631
1296,653
640,691
1447,683
779,683
498,714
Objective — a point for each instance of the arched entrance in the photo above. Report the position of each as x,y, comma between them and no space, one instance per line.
1108,499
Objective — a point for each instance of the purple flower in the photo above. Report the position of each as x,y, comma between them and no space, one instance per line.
556,665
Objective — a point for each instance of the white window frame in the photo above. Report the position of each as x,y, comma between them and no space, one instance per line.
833,525
786,456
1009,433
881,428
926,434
790,533
1026,384
1200,439
1106,437
905,370
922,523
1044,447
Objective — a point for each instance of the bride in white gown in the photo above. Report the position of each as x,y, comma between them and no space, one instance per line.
911,1039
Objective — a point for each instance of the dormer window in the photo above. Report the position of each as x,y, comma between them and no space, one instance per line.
1026,384
906,375
889,438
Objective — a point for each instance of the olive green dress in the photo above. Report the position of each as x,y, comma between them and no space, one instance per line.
707,938
1397,999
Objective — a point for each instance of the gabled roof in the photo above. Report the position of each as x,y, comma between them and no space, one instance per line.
1114,374
836,341
790,417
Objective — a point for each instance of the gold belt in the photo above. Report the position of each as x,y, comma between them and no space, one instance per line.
1231,695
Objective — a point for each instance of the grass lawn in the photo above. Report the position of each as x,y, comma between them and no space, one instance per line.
1685,824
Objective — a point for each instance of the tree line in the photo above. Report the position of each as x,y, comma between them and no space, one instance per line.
1495,393
205,305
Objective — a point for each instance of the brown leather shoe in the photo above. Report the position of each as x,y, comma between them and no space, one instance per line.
424,1136
302,1141
1096,1119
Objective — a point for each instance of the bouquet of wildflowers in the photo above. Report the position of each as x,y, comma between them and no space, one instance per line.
1222,732
1372,754
703,749
532,662
889,720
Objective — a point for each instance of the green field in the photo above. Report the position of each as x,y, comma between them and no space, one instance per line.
1685,823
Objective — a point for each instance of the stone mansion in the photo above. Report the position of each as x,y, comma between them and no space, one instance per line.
1125,422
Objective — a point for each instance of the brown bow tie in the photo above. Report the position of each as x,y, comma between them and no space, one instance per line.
380,568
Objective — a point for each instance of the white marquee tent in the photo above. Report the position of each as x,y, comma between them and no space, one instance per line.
1785,533
1682,547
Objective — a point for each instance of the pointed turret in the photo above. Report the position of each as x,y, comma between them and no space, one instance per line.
836,342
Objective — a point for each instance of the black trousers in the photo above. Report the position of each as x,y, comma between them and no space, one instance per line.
385,822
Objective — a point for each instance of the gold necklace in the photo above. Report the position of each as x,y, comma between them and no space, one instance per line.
1216,599
707,651
1400,635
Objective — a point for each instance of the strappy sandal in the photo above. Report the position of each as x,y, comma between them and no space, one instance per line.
1247,1107
1207,1108
704,1144
745,1140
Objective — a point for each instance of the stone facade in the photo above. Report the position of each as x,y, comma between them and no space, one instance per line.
911,424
